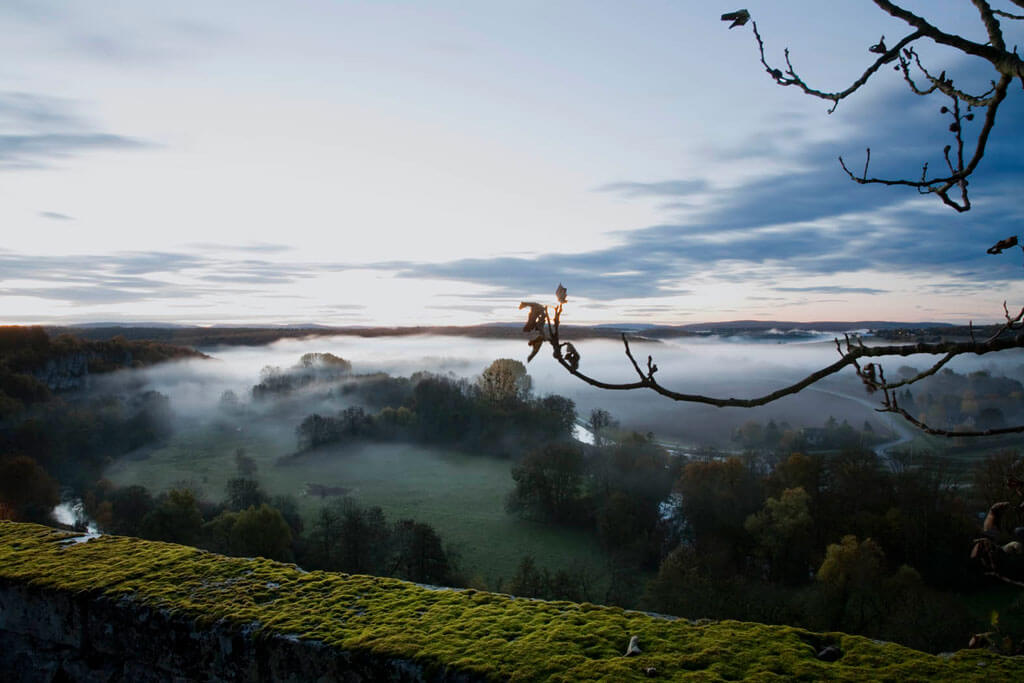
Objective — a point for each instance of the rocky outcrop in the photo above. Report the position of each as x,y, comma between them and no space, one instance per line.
81,608
51,635
65,373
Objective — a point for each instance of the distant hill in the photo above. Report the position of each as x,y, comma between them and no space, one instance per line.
255,336
761,325
231,335
762,328
126,324
823,326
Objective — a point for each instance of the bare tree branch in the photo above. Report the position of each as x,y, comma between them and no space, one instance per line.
958,175
995,34
1007,15
1005,62
938,365
961,165
790,77
940,83
1017,429
569,358
875,382
873,377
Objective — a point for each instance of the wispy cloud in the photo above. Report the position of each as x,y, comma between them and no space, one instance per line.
260,248
829,289
39,151
130,36
105,294
664,188
126,277
37,130
21,109
54,215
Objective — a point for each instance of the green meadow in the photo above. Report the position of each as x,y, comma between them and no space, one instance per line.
462,496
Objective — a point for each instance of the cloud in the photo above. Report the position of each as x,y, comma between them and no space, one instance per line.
133,277
664,188
655,261
270,276
28,10
89,267
36,151
466,308
36,130
100,279
517,276
36,111
126,35
126,277
104,295
262,248
832,290
198,30
53,215
955,287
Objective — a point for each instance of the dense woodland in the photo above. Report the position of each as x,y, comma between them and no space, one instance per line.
50,435
799,525
33,365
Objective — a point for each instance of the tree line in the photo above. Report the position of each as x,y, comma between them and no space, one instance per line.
494,415
342,536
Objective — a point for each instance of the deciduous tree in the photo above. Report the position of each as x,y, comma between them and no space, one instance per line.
548,482
26,487
505,381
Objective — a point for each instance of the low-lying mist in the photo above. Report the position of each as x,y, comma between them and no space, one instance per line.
725,367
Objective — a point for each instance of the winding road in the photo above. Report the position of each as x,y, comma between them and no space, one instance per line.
905,433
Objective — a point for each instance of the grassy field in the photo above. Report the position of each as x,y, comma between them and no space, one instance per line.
462,496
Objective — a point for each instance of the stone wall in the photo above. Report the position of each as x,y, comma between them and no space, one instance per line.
54,635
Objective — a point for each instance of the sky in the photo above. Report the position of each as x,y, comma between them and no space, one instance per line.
435,163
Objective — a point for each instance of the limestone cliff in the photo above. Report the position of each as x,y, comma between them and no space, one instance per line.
114,608
67,372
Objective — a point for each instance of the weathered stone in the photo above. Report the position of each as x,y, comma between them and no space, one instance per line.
830,654
49,635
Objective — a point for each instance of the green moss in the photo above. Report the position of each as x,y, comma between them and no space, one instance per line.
484,633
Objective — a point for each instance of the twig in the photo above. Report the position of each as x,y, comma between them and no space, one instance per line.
855,350
927,429
1008,64
790,77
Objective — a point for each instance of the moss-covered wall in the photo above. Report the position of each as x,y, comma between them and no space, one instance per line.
121,607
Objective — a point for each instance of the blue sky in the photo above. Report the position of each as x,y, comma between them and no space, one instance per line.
437,162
